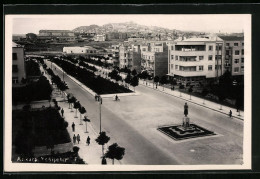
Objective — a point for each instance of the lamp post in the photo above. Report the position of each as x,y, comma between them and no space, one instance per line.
100,102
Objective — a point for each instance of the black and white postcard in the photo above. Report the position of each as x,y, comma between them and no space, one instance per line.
127,92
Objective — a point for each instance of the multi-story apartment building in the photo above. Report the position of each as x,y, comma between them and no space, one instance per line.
115,54
18,64
196,59
130,56
86,50
154,58
57,35
234,54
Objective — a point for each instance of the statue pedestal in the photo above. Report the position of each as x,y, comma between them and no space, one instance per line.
186,122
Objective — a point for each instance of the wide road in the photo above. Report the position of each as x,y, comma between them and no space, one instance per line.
133,123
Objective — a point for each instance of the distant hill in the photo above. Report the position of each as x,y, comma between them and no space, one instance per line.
128,27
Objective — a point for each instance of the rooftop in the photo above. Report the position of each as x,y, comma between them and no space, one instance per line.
232,38
16,45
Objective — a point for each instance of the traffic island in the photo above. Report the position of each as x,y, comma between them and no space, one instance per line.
181,132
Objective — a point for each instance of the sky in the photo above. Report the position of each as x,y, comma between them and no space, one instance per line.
23,24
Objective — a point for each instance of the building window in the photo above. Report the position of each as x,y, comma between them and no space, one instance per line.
227,44
15,80
236,52
210,68
242,43
171,66
236,70
200,68
235,44
15,68
176,57
242,69
14,56
227,52
172,47
210,57
210,48
218,48
236,61
201,57
242,60
172,57
176,67
242,51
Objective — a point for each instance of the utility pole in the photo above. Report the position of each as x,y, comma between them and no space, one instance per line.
100,102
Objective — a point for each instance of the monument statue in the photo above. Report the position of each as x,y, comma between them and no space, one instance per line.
186,109
186,120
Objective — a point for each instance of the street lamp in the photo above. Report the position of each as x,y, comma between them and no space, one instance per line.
100,102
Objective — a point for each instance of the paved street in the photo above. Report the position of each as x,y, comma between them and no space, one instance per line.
133,122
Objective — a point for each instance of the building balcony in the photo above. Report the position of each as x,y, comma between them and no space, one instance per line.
189,73
190,53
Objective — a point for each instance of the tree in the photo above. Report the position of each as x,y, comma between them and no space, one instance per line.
204,94
76,106
115,152
72,101
156,80
163,81
144,75
221,95
190,91
135,82
239,99
50,143
86,120
128,79
69,96
134,73
102,140
82,110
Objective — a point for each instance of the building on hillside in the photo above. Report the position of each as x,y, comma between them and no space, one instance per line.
130,56
196,59
135,39
116,35
234,54
100,38
18,64
57,35
154,56
84,51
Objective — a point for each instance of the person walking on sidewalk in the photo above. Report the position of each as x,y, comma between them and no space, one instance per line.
62,112
88,140
74,139
78,138
230,113
73,127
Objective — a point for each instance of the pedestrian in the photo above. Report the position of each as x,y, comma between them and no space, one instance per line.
62,112
74,139
88,140
116,97
78,138
230,113
96,97
73,127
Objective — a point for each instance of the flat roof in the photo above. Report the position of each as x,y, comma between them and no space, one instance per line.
232,38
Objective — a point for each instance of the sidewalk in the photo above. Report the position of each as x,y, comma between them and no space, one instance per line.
90,154
195,100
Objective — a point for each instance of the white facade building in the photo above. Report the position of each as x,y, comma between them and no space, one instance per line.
196,59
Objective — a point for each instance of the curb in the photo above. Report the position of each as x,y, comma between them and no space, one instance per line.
194,103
